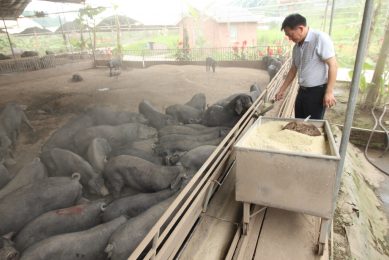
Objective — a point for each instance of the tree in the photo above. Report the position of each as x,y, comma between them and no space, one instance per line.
374,19
79,21
118,50
118,41
377,81
90,13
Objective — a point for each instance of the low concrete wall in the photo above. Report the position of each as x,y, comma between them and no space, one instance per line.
360,136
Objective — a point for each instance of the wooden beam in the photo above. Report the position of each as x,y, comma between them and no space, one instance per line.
12,9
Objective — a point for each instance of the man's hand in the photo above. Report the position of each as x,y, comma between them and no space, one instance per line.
289,78
329,100
280,94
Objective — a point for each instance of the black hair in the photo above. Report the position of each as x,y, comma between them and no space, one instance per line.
293,20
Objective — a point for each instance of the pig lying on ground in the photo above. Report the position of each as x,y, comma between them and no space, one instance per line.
195,158
156,119
28,202
86,245
211,135
143,149
61,162
126,238
191,129
29,54
5,146
5,176
108,116
168,146
97,154
146,155
60,221
4,57
115,135
30,173
146,145
132,206
11,119
188,113
198,101
126,170
76,78
184,114
61,138
7,250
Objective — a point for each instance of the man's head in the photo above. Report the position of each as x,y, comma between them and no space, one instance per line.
295,27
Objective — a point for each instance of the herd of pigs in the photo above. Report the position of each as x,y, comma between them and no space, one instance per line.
103,179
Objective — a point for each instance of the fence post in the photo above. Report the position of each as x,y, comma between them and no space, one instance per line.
143,58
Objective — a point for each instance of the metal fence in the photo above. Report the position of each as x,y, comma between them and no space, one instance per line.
200,54
158,55
36,63
27,64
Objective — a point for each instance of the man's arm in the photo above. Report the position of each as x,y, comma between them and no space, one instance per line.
289,78
329,99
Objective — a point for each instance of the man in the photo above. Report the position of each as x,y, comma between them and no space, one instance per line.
314,62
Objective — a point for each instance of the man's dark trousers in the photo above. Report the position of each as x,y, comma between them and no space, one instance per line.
309,101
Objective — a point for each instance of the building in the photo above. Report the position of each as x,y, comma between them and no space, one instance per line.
227,27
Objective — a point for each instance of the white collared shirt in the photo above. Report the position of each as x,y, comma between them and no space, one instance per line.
310,56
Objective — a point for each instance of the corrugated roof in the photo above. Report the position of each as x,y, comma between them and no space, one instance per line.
11,9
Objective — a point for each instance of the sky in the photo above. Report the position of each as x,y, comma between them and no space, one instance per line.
145,11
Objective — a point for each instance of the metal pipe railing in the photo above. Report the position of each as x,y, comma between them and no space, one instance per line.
362,47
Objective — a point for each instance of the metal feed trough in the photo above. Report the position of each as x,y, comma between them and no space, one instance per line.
296,181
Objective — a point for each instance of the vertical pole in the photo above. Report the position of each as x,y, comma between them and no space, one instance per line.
63,33
332,17
90,38
118,32
143,59
325,16
9,39
362,46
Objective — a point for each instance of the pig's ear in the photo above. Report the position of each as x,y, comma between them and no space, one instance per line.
76,176
103,206
238,107
8,236
108,249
